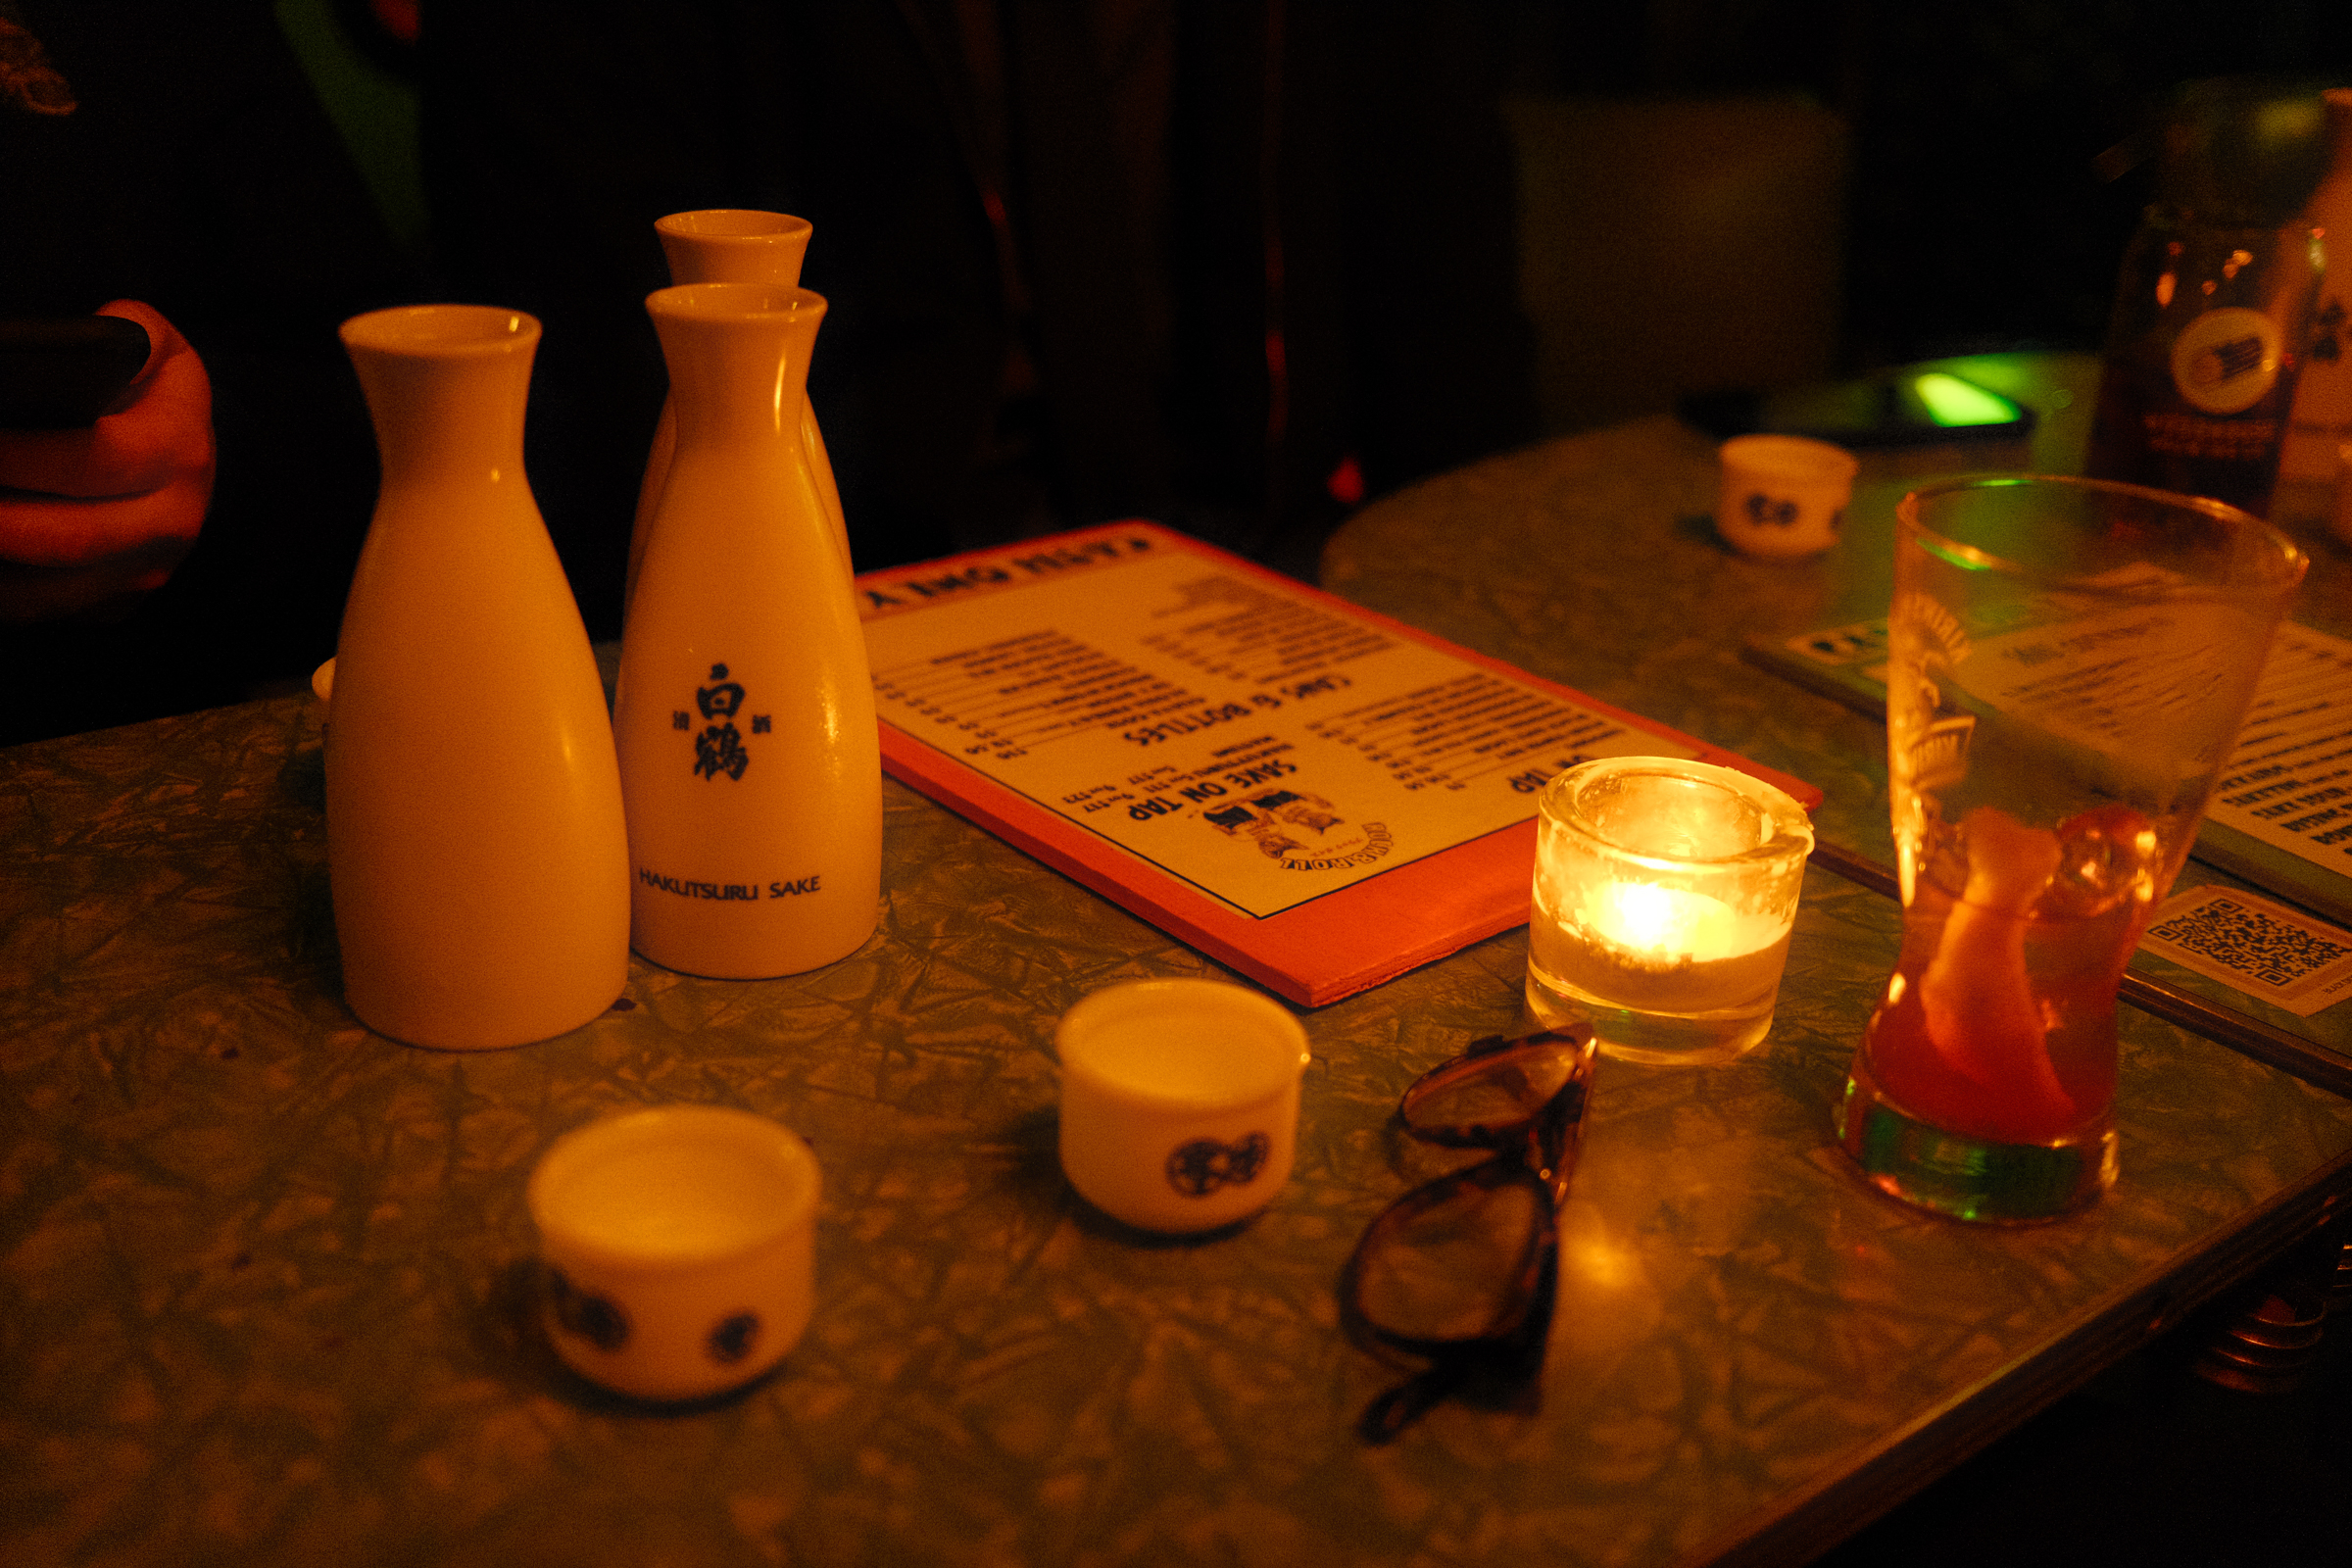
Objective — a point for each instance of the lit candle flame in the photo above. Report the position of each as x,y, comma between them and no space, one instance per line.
1662,922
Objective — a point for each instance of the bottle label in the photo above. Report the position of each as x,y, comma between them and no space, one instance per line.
2226,361
2186,435
718,749
732,892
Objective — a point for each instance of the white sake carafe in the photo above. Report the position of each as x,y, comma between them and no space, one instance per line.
473,813
728,245
750,760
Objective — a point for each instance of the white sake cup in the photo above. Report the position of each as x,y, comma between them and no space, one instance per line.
1782,495
1179,1102
678,1247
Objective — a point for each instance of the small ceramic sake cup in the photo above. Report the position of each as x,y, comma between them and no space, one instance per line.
677,1248
1179,1102
1782,495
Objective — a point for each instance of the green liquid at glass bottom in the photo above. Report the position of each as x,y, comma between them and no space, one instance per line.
1969,1177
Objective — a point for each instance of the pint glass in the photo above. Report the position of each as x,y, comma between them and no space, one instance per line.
2070,661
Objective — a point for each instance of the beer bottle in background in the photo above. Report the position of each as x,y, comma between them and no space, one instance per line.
2213,307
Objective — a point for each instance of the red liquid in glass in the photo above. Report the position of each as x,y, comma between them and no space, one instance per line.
1999,1022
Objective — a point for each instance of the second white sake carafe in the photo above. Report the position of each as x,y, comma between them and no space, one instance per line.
728,245
750,760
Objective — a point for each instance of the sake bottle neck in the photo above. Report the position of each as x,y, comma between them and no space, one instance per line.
738,356
446,388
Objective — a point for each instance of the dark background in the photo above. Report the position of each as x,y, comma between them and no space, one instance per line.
1975,221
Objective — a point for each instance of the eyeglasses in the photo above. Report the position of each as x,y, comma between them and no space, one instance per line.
1460,1271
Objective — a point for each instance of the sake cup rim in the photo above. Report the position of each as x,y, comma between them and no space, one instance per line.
1797,458
782,1198
1276,1069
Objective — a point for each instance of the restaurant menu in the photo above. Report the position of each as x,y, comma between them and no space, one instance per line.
2281,814
1310,793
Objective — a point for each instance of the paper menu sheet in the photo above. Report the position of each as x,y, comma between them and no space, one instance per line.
1264,748
2135,693
2254,947
1310,793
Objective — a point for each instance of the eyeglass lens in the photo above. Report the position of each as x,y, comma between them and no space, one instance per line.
1451,1262
1487,1099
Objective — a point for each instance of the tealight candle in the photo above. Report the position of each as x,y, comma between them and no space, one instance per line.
1664,895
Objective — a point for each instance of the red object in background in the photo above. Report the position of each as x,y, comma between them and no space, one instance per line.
1346,482
396,17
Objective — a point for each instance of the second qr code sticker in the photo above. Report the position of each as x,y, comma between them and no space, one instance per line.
2263,949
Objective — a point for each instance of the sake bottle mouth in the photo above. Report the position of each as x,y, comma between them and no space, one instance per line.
442,331
733,223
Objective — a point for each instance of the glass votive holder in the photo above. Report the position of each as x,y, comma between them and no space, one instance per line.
1664,895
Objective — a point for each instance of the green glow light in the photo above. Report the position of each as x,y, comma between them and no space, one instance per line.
1951,401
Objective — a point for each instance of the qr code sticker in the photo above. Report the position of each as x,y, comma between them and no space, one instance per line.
2252,943
2255,946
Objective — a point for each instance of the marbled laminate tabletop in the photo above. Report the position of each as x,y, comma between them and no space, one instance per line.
264,1275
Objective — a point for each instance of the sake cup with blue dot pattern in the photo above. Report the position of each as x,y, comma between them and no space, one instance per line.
1179,1102
1783,496
677,1249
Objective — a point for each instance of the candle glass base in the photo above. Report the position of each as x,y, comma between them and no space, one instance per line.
1966,1175
1650,1034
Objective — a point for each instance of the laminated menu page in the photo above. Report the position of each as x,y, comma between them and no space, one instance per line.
1312,794
2281,814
